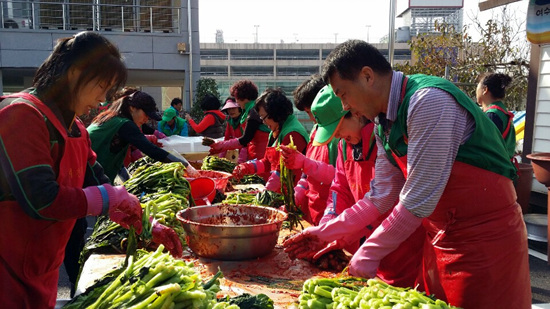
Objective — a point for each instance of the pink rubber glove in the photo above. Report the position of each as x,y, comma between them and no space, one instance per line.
136,155
300,196
123,208
225,145
320,171
168,237
274,182
293,159
397,227
248,168
153,139
243,155
337,233
159,134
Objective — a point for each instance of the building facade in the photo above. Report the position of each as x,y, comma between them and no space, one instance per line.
159,39
284,65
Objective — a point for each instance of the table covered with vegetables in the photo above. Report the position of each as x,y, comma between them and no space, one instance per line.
123,270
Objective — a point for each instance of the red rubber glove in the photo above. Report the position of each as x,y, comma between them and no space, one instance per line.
247,168
153,139
225,145
168,237
123,208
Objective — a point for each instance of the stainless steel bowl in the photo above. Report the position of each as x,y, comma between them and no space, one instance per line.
231,232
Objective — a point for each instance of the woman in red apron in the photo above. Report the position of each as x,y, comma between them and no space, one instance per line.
44,168
234,128
254,139
490,91
317,165
275,110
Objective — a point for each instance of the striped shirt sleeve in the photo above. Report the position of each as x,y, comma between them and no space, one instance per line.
387,183
437,126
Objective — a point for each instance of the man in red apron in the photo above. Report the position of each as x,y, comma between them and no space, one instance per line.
357,154
447,164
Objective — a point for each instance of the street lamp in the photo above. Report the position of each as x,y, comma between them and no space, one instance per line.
368,30
256,36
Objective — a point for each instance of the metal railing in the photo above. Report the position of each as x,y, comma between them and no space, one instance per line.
97,15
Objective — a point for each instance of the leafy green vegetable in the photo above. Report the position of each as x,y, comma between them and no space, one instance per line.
247,301
215,163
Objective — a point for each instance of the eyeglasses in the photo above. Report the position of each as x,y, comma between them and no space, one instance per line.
263,118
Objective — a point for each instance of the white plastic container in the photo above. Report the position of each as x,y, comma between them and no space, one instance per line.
185,144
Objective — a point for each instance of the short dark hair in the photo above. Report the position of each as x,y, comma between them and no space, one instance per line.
95,56
306,92
348,58
210,102
496,83
244,90
276,104
176,101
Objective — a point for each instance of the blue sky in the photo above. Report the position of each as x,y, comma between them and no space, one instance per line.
311,21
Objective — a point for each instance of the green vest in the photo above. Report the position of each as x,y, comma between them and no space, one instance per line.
484,149
291,124
179,123
510,138
247,107
101,136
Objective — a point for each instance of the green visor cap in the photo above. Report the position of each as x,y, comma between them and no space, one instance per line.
169,114
327,110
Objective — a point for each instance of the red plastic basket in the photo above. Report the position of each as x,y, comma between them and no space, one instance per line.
220,178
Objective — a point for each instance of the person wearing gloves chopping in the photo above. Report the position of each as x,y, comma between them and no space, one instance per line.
50,178
256,133
113,131
447,164
357,154
317,165
275,110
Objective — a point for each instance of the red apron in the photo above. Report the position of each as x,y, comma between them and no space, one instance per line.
402,266
474,238
256,147
272,156
32,250
476,254
317,194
